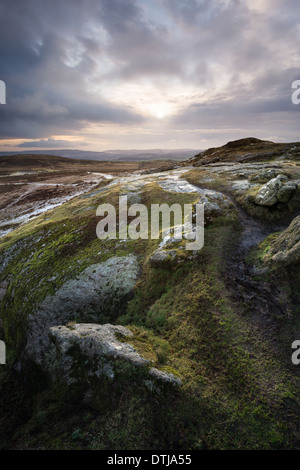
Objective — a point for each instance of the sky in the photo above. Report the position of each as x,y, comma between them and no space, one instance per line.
140,74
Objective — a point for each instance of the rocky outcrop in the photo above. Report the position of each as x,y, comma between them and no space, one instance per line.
278,189
93,353
266,174
285,250
248,149
267,191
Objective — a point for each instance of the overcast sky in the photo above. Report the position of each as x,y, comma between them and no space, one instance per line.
107,74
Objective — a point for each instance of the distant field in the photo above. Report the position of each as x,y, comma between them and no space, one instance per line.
51,163
31,184
114,155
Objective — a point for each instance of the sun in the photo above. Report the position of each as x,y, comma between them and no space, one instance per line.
160,114
159,110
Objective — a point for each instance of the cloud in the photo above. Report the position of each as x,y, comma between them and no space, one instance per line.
78,64
50,143
47,64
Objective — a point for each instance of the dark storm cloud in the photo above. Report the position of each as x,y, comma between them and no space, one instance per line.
45,93
54,55
37,115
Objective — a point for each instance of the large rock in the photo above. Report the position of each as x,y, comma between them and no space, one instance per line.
285,250
92,354
99,293
276,190
97,343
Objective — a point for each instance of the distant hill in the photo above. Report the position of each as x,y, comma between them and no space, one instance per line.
111,155
247,150
40,160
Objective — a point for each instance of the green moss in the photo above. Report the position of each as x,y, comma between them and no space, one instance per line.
260,253
148,345
200,177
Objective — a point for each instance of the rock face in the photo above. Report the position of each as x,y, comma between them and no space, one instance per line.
98,354
286,248
276,190
98,292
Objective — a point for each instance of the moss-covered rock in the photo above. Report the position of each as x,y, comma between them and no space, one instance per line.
276,190
285,249
90,355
